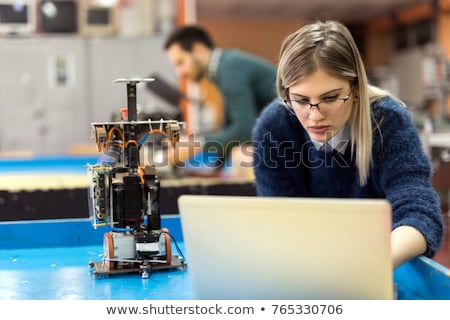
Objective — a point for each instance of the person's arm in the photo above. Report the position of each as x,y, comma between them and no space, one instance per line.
405,178
242,81
406,244
241,113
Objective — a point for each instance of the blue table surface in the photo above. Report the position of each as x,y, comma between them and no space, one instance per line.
61,273
50,163
49,260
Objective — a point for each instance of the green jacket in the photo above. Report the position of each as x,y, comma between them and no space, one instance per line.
247,84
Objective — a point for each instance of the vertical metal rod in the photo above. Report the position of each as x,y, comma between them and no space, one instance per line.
131,96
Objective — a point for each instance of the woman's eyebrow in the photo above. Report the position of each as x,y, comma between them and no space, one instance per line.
323,94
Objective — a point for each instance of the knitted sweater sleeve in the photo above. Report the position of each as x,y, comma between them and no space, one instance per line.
405,175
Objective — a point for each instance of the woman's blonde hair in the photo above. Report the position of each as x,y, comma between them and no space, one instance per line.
329,45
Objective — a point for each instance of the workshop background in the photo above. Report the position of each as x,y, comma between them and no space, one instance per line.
57,77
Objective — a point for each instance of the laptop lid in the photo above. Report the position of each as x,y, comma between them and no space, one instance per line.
245,247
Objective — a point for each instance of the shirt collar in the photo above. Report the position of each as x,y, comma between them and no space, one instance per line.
214,63
339,142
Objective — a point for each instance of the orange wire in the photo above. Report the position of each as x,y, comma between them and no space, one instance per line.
115,129
141,174
158,131
131,141
100,146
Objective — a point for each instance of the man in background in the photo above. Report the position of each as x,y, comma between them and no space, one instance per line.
246,82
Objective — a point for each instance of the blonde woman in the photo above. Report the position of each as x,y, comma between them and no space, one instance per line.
332,134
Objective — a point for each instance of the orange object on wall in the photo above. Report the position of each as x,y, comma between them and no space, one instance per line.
415,13
181,7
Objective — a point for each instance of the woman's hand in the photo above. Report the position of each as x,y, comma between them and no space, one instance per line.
406,244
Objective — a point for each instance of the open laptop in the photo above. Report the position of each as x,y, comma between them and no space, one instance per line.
245,247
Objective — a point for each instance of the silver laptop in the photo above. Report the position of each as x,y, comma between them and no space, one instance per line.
244,247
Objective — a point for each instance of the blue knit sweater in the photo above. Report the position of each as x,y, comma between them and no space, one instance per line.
286,163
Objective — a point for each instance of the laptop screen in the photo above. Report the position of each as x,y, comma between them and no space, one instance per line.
287,248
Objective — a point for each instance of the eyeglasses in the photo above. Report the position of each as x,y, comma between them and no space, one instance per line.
331,104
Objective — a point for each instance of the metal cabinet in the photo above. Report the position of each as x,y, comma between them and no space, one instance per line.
52,87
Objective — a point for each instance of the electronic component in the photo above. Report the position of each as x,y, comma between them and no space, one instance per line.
124,194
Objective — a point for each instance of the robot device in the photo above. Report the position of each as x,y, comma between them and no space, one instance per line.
124,194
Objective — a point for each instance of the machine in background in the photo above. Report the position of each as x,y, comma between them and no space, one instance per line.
124,194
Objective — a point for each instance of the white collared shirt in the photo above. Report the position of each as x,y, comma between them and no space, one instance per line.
214,63
339,142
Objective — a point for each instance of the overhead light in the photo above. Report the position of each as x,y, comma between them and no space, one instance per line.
49,9
107,3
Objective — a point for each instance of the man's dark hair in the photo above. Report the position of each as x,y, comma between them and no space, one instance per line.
186,36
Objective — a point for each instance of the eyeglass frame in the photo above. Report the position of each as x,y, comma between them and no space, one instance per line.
311,105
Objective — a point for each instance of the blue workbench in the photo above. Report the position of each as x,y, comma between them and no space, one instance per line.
49,260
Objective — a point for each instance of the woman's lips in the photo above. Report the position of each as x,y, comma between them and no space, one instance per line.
319,129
